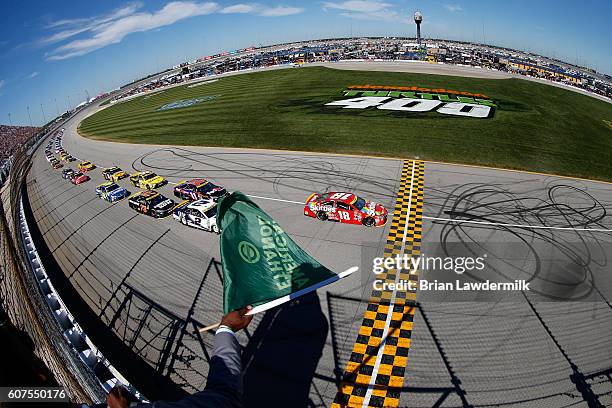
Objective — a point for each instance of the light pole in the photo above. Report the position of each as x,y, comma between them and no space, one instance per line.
44,116
29,117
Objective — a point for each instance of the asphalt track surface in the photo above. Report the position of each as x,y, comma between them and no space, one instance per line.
141,276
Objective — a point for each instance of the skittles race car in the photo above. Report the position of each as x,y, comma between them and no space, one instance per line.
114,174
147,179
200,214
346,208
111,192
151,203
197,189
86,166
79,178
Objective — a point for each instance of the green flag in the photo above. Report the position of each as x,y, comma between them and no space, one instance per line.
262,266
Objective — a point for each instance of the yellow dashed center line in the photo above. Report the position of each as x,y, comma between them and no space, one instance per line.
375,371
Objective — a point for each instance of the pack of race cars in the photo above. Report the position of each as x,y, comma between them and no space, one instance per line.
200,196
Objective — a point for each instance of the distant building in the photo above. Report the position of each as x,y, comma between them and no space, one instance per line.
546,72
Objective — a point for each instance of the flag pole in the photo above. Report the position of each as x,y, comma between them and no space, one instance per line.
269,305
209,328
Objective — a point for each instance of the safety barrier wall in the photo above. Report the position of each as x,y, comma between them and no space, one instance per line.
32,304
24,303
77,339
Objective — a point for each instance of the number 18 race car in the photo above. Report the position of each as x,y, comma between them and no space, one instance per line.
151,203
346,208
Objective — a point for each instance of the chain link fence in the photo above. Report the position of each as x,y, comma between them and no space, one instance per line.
24,303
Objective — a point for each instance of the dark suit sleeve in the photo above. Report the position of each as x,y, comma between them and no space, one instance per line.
224,384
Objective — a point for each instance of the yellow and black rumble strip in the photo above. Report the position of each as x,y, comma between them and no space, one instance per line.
375,371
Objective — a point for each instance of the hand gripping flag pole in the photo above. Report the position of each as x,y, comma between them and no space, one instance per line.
262,265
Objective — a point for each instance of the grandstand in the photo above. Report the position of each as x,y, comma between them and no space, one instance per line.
12,137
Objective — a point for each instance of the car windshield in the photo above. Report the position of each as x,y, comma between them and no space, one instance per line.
157,199
149,176
360,203
205,188
212,212
112,187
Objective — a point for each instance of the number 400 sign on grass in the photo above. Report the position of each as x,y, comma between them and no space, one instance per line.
415,105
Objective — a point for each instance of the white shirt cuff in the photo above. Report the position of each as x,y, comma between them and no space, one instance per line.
224,329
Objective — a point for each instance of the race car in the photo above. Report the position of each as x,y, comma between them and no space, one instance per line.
147,179
200,214
67,174
64,156
197,189
114,173
151,203
71,158
79,178
56,164
86,166
346,208
111,192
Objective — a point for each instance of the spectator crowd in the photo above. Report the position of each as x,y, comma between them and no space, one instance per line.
13,136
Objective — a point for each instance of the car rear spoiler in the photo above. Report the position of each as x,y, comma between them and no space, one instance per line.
181,205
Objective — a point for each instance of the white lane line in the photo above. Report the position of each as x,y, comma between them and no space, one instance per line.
275,199
381,348
501,224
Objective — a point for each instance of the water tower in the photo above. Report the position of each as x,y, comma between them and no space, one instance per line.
418,18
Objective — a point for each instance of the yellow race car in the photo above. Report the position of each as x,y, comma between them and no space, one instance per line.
64,156
147,179
114,174
86,166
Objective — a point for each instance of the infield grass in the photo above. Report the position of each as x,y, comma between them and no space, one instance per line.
536,126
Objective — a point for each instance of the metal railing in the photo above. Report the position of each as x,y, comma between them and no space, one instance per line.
26,305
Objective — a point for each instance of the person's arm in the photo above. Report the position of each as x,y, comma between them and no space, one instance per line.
225,373
224,384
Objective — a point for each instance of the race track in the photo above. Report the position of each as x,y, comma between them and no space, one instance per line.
142,276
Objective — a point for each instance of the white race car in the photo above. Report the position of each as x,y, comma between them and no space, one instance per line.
200,214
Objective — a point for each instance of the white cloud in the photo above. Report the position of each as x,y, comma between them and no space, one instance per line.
33,75
80,25
114,31
366,10
357,6
453,7
239,9
101,31
261,10
280,11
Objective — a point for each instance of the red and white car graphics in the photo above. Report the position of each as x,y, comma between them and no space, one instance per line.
78,178
346,208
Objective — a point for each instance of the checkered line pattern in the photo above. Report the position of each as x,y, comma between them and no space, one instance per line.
358,388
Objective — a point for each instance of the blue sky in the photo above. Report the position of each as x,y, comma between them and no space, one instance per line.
52,53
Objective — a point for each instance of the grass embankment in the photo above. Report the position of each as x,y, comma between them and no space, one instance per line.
536,126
